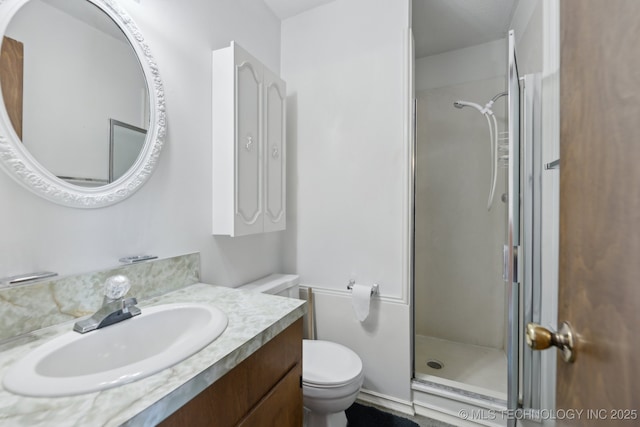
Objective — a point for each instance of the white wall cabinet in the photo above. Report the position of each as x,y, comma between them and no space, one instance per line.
249,145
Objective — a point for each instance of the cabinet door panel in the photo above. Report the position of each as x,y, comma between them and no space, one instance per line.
268,381
249,133
282,407
275,153
248,177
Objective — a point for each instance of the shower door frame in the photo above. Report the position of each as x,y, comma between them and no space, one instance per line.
523,253
524,286
529,396
513,251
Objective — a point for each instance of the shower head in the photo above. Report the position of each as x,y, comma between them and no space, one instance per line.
462,104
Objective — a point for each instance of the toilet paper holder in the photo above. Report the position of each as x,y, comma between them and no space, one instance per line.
375,288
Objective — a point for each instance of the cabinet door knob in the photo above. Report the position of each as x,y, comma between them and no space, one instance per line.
249,143
275,153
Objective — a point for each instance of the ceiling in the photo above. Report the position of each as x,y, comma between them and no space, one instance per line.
443,25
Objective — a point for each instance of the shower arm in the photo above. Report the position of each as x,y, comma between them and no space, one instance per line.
487,112
495,98
487,107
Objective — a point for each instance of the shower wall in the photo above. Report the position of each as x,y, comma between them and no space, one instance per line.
459,292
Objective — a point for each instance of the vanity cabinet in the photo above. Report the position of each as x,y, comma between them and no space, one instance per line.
249,141
263,390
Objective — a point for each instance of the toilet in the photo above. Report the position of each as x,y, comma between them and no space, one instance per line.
332,374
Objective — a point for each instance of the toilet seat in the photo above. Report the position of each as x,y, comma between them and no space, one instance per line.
328,364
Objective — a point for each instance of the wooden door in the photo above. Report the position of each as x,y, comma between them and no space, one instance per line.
11,78
600,209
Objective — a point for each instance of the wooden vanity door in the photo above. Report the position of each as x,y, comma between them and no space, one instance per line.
265,390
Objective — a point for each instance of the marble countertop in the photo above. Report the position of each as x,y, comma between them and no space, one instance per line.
254,319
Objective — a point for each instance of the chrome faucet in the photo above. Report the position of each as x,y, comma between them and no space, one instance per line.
115,308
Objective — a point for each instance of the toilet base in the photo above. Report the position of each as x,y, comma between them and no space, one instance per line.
314,419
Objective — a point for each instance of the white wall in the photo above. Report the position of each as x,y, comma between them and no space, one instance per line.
344,67
527,25
383,342
75,79
459,292
171,214
474,63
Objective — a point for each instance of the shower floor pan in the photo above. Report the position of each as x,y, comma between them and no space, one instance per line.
478,369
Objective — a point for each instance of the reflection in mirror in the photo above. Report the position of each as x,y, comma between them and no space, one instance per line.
125,143
77,75
73,63
11,75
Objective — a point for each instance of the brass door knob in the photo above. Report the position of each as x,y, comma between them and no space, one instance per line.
539,338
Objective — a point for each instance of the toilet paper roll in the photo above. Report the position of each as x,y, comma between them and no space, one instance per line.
360,299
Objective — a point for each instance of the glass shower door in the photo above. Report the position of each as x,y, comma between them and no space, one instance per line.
512,248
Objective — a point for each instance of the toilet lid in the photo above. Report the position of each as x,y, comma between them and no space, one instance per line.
328,363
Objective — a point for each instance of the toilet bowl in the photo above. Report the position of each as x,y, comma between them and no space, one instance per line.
332,374
331,379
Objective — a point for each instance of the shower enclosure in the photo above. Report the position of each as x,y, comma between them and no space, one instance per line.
474,234
460,316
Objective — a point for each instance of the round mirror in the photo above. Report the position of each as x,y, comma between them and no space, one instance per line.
82,121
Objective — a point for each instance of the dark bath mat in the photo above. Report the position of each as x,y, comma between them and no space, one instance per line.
365,416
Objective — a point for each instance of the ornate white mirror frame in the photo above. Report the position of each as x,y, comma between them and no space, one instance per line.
22,166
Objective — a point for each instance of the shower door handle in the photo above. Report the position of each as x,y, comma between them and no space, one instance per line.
540,338
509,263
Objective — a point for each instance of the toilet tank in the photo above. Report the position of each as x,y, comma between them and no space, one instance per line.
286,285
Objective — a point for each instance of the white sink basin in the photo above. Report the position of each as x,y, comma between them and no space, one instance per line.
118,354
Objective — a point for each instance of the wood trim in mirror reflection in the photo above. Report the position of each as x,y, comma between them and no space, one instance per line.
11,80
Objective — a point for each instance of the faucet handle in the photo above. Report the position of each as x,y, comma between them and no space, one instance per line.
116,287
